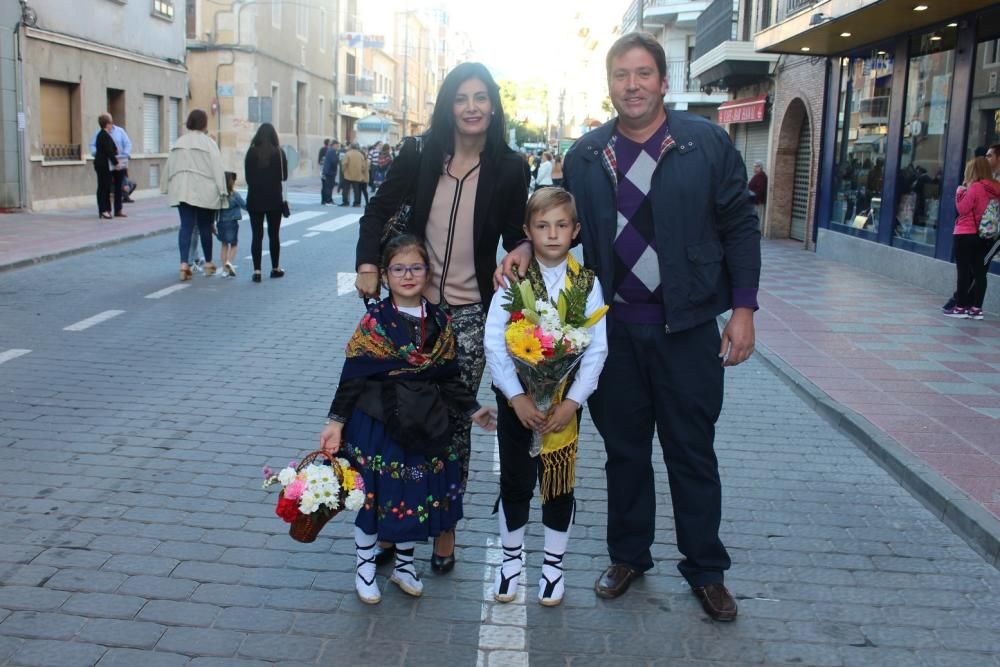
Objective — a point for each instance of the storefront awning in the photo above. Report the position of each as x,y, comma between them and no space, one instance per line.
835,27
745,110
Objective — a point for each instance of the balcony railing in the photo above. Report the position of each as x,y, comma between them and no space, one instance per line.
679,78
717,24
359,85
630,20
60,152
789,7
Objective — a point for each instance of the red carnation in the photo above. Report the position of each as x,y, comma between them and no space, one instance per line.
516,316
287,509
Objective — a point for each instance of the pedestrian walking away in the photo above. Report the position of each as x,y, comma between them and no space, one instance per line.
355,170
331,162
105,159
229,226
552,226
391,418
265,168
195,183
673,238
468,190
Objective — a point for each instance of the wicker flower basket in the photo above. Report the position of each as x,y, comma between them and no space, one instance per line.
306,527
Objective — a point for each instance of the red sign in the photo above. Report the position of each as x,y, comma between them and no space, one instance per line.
746,110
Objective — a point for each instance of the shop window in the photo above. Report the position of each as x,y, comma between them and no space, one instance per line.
984,109
862,126
925,126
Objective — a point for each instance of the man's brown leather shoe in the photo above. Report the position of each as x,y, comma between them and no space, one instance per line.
717,601
615,580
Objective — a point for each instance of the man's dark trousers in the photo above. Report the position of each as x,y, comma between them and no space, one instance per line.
326,191
672,382
117,184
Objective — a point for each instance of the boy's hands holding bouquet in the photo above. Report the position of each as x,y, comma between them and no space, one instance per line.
560,416
528,413
329,439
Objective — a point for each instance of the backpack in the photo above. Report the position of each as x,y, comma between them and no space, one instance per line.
989,223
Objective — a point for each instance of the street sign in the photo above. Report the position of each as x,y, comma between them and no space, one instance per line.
224,90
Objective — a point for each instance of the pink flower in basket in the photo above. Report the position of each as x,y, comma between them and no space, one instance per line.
294,490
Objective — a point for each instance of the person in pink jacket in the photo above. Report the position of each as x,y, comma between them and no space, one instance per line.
971,200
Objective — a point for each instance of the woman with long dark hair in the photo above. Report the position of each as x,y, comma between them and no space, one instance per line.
468,190
265,167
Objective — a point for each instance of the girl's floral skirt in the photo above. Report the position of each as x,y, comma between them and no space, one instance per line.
409,497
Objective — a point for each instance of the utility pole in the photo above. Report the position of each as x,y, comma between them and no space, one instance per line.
640,4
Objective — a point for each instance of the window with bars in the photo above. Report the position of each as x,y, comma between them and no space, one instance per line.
59,141
164,9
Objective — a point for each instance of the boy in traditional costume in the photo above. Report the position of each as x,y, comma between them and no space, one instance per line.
390,416
554,277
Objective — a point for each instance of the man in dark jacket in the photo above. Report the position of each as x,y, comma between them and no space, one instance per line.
667,226
331,159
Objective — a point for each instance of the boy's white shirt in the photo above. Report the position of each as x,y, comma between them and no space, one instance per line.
502,366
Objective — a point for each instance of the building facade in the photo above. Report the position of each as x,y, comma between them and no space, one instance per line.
674,23
910,93
275,62
74,68
12,164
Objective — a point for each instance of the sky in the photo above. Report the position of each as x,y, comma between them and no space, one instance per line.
526,39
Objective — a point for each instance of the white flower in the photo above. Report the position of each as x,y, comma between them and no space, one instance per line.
355,500
308,503
579,338
287,476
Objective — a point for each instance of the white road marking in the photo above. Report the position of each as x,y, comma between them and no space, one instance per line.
345,283
502,638
302,216
336,223
310,235
12,354
167,290
288,243
91,321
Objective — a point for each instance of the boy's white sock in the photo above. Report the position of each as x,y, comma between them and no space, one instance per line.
512,542
364,577
551,586
404,574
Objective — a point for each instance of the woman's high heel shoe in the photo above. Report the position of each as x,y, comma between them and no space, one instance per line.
442,564
185,273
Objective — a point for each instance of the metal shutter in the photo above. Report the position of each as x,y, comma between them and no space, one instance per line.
150,124
173,120
800,187
751,141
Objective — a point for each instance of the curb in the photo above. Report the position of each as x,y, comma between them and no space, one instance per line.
30,261
966,518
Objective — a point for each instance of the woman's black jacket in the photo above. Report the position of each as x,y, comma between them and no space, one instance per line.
500,201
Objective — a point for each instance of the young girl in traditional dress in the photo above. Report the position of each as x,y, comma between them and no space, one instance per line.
390,418
551,226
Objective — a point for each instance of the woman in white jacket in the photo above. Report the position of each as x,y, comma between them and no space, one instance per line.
544,177
195,183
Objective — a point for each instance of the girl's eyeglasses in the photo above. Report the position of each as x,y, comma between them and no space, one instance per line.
400,270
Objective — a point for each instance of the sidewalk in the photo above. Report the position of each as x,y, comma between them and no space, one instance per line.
920,392
28,238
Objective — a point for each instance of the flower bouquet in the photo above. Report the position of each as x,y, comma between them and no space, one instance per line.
546,340
312,493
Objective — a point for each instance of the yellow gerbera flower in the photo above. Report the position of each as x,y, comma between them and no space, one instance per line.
527,348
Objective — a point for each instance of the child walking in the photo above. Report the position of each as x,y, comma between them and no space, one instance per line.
390,418
551,226
229,226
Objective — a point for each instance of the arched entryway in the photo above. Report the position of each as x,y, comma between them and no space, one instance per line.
792,176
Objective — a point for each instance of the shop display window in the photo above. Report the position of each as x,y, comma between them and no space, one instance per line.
862,129
925,126
984,108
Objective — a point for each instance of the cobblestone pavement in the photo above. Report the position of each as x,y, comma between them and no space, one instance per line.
136,532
